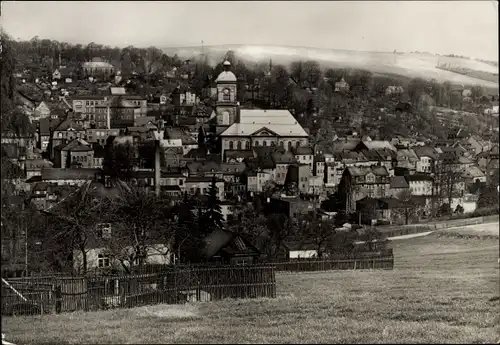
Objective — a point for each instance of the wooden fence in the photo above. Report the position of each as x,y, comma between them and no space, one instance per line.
173,285
386,263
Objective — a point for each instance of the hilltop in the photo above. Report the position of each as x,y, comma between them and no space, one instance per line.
414,65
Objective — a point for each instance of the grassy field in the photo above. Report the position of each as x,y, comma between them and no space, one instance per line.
441,291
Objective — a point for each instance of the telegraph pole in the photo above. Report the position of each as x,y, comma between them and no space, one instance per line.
26,249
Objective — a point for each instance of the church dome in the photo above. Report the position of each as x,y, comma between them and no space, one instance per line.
226,75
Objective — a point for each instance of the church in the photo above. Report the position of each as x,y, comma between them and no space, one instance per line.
243,129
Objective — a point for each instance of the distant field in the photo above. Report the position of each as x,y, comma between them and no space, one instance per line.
439,292
406,64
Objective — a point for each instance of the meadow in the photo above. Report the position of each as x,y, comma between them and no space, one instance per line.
444,289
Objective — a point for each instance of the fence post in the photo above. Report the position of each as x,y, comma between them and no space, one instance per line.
58,296
354,264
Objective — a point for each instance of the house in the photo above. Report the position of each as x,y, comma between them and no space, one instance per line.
300,174
97,68
394,90
319,166
65,132
99,256
98,158
420,184
100,135
373,210
226,247
427,158
360,182
41,111
33,167
283,160
68,74
291,206
199,185
115,91
478,144
56,75
374,145
489,161
398,185
304,155
69,176
45,128
77,153
492,111
408,159
473,175
341,86
177,137
183,96
296,250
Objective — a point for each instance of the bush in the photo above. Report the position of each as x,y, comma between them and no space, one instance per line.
486,211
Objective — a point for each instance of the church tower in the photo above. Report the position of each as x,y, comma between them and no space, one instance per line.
226,106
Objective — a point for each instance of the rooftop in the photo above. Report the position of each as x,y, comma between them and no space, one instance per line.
276,122
49,174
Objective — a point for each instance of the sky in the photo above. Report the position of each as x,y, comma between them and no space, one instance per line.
467,28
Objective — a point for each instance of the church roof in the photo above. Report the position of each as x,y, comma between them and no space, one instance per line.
226,76
280,122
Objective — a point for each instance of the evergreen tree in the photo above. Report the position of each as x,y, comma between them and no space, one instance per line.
187,234
213,218
201,137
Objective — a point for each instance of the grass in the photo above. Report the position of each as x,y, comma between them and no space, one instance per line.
441,291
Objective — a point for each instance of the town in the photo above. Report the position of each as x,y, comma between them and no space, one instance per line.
238,147
249,172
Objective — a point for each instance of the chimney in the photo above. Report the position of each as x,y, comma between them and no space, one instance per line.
157,168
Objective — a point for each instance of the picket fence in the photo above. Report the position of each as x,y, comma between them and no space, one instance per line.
58,294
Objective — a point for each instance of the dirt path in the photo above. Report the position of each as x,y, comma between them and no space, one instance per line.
478,229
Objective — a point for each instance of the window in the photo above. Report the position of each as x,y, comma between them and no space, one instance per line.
230,145
289,145
103,260
181,182
282,144
104,230
238,145
264,143
204,191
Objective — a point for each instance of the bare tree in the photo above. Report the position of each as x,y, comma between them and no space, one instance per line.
406,206
281,228
76,217
447,177
143,225
318,231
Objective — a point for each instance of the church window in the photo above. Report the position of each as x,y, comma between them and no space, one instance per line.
230,145
238,145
